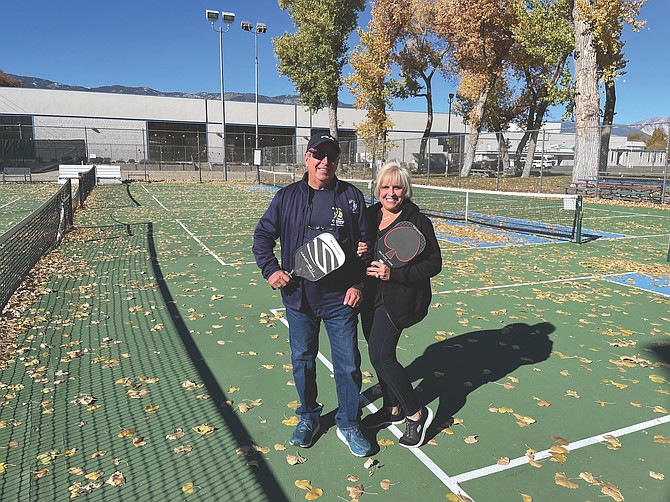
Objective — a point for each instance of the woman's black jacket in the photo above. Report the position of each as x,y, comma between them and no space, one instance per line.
406,295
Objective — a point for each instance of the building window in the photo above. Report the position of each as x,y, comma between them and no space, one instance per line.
177,141
16,127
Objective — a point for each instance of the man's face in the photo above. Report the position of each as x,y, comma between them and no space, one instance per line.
321,165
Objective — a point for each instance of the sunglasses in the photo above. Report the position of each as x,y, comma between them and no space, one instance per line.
320,155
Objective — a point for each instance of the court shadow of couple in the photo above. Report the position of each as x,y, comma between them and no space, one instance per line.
449,370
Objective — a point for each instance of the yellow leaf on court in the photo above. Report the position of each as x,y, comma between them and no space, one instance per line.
116,479
660,409
589,478
314,493
355,491
612,491
614,443
572,393
204,429
637,405
471,439
385,442
657,379
661,439
503,461
303,484
94,475
657,475
188,488
385,484
559,449
562,480
292,421
558,457
295,459
543,403
126,433
151,409
41,473
293,405
454,497
233,390
526,498
3,467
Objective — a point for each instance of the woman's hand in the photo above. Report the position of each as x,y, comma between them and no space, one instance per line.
362,249
379,270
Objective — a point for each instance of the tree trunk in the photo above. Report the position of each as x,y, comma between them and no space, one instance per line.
473,136
608,120
332,120
429,123
587,101
530,153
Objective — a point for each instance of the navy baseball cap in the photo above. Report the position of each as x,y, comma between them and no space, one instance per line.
321,139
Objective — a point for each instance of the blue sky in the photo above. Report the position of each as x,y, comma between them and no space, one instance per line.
168,45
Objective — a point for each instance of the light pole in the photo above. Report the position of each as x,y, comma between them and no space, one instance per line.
227,18
451,99
260,29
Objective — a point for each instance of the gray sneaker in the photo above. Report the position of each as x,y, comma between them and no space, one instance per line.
415,432
304,433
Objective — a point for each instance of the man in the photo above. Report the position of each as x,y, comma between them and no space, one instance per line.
299,212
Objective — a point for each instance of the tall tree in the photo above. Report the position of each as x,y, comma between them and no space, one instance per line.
598,55
399,39
371,83
313,57
608,20
419,54
481,37
587,100
545,41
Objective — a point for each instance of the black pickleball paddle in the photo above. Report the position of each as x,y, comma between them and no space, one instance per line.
401,244
318,258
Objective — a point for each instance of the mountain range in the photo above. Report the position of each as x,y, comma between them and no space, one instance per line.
645,126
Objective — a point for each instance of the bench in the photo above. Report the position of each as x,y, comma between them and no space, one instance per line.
17,172
624,189
102,172
71,172
107,172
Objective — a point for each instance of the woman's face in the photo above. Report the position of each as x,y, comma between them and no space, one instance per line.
391,194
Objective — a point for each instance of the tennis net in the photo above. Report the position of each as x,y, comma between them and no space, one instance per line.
275,178
25,243
550,214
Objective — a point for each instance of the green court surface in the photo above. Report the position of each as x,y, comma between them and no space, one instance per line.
18,200
160,353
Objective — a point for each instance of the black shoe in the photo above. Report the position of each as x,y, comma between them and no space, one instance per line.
382,418
415,432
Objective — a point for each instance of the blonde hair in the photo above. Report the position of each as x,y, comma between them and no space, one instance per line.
399,174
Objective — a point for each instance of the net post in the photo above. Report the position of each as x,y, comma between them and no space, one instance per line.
668,250
578,219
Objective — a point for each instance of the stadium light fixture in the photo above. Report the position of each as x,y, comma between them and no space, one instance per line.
227,18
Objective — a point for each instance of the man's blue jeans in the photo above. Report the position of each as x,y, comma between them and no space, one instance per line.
341,323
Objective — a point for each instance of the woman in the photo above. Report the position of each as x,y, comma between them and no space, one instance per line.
396,298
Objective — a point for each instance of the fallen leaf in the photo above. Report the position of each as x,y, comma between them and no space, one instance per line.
385,484
471,439
612,491
116,479
204,429
295,459
657,475
355,491
562,480
188,488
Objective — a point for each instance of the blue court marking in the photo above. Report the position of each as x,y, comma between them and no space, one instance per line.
651,284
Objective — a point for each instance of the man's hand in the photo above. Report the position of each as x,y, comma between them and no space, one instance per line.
279,279
353,298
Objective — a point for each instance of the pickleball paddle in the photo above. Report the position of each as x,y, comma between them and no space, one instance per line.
318,258
401,244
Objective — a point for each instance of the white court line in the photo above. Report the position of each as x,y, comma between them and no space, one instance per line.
520,284
447,480
492,469
202,244
192,235
10,203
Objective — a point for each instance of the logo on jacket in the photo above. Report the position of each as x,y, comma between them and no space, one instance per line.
353,205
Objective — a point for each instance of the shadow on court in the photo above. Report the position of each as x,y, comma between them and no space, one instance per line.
449,370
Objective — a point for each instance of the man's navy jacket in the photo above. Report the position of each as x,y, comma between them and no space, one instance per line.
285,219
